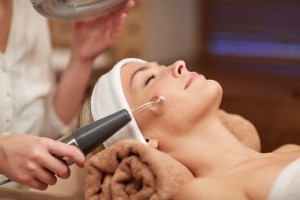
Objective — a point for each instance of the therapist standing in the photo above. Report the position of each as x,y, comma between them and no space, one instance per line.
31,104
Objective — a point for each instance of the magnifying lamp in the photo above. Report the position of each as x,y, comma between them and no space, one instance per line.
75,10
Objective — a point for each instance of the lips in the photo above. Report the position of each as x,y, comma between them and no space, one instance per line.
193,76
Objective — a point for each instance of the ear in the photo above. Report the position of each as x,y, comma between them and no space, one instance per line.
153,143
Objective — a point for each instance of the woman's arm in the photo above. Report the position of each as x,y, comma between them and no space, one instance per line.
288,148
90,38
206,188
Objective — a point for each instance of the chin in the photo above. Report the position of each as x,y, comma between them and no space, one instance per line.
205,101
215,87
214,93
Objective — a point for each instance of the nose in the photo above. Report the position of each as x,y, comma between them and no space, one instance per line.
178,68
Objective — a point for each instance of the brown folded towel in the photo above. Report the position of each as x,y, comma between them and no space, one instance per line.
241,128
132,170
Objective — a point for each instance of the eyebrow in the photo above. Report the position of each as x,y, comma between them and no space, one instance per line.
143,68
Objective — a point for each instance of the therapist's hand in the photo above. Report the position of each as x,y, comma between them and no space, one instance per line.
92,37
29,160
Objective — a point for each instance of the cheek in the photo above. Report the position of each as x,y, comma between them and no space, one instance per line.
198,103
183,109
209,97
149,120
214,92
161,87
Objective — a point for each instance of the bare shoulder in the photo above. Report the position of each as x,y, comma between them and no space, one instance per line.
209,188
288,148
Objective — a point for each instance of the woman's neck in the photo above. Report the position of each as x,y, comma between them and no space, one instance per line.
211,149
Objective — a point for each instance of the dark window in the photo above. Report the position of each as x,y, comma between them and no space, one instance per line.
256,30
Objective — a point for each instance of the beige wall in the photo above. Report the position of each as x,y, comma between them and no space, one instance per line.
155,30
172,30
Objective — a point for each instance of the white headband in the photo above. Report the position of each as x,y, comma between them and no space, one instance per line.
108,97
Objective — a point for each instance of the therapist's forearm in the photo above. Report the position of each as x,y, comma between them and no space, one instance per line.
71,88
2,155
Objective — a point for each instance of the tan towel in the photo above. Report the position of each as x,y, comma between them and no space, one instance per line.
132,170
241,128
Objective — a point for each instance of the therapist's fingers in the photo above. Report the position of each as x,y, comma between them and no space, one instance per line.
68,151
37,184
46,177
56,166
122,14
32,181
41,174
128,6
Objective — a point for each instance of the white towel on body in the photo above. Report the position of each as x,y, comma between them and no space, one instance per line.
287,184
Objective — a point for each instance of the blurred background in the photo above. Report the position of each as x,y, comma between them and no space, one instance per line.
252,48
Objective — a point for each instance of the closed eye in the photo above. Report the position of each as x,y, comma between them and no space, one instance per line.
149,79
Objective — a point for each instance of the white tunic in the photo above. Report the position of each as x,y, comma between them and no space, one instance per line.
27,81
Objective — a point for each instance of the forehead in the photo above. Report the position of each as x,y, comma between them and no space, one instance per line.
132,66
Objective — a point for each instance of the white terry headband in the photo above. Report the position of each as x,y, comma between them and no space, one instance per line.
108,97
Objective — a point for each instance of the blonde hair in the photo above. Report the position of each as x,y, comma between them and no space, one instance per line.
86,118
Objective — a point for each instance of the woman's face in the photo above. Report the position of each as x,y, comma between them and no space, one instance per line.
190,97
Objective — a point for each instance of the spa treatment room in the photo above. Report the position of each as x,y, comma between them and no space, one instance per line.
149,99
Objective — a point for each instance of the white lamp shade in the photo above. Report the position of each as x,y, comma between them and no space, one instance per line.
75,10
